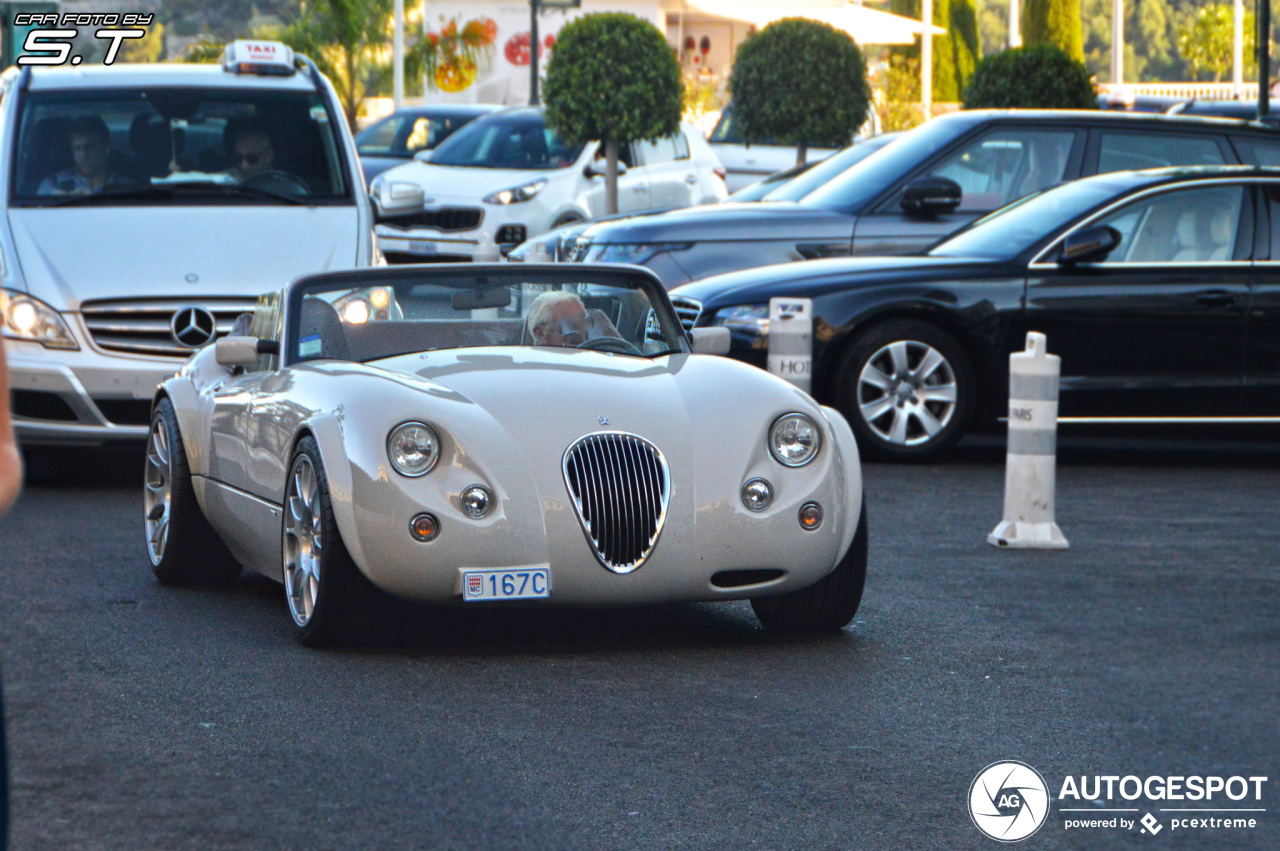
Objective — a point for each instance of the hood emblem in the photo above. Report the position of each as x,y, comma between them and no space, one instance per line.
193,327
603,420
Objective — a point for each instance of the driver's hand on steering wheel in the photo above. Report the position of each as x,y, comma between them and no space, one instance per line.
598,325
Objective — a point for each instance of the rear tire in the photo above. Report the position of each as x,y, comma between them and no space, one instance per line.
907,389
328,598
184,549
828,604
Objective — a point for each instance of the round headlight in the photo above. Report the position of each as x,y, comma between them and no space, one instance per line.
413,449
476,501
794,440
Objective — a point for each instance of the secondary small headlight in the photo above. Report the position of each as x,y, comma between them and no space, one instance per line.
413,449
752,319
635,254
757,495
27,318
476,501
517,194
794,440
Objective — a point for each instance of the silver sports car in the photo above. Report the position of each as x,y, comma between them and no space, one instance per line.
497,433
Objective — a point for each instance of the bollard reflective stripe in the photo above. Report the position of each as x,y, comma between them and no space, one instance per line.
791,340
1031,461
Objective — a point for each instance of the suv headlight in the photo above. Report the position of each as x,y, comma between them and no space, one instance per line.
517,194
413,449
794,440
751,319
635,254
27,318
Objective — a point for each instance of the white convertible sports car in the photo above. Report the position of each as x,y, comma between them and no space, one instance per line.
496,433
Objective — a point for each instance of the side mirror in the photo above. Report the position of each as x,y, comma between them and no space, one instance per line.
596,168
423,156
1088,245
242,351
710,341
398,198
931,196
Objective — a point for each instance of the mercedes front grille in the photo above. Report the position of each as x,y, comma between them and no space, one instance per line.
144,326
688,310
620,487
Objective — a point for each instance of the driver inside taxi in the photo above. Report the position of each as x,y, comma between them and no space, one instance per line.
559,318
251,151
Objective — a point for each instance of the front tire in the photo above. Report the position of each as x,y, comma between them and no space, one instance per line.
324,590
830,603
908,391
183,547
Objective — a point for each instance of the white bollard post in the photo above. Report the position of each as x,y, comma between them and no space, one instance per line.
791,340
1030,467
487,250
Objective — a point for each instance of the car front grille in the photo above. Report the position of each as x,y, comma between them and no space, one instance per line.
448,219
688,310
145,326
620,487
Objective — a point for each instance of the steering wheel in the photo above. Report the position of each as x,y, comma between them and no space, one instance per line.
609,344
280,182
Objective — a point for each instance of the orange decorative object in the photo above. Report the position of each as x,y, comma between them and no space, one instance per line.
490,30
456,74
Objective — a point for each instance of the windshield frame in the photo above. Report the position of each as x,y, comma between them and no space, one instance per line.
342,151
491,275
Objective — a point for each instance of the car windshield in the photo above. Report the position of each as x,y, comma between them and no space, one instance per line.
860,184
1013,229
404,134
727,131
172,146
512,141
405,313
827,170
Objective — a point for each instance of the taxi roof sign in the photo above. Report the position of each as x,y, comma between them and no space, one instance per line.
258,57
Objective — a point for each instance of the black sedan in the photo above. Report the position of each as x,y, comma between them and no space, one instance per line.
1160,290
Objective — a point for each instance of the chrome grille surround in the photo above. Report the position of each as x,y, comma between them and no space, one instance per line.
688,310
143,326
620,486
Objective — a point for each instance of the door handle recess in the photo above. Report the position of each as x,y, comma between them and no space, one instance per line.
691,179
1217,298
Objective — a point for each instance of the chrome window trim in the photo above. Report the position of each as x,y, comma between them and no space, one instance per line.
1038,261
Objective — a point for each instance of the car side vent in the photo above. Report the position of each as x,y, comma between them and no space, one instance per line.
688,310
620,486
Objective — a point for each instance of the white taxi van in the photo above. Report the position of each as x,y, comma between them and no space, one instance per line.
147,206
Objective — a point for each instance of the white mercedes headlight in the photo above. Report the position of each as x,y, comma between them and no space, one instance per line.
413,449
516,194
794,440
27,318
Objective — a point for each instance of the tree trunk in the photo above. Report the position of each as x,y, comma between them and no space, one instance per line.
802,153
610,176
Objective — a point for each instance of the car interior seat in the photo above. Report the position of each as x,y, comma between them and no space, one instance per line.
319,321
46,153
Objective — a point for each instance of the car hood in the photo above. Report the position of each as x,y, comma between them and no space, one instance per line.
457,181
728,222
78,254
815,277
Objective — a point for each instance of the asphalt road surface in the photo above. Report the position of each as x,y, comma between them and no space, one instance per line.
141,716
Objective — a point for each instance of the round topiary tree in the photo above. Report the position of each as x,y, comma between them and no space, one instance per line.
1039,77
612,77
802,83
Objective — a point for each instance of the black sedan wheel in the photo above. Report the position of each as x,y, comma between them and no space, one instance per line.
907,389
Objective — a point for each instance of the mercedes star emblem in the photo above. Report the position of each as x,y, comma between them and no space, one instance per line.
193,327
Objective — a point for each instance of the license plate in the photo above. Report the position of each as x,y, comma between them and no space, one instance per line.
530,584
421,246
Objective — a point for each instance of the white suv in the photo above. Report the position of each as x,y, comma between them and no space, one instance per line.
147,206
507,177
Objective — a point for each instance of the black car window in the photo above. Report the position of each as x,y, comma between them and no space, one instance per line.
1135,151
1187,226
1006,164
1265,152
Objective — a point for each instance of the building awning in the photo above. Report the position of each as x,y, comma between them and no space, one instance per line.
866,26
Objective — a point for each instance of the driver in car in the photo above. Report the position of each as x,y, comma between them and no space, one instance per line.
249,146
559,318
90,143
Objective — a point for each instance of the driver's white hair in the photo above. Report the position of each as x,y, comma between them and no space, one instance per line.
543,305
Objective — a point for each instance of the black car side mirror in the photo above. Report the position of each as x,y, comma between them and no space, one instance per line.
1088,245
931,195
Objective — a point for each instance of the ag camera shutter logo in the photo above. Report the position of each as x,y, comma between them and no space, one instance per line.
1008,801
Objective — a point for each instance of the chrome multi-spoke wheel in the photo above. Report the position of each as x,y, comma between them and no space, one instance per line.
907,392
303,540
157,499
